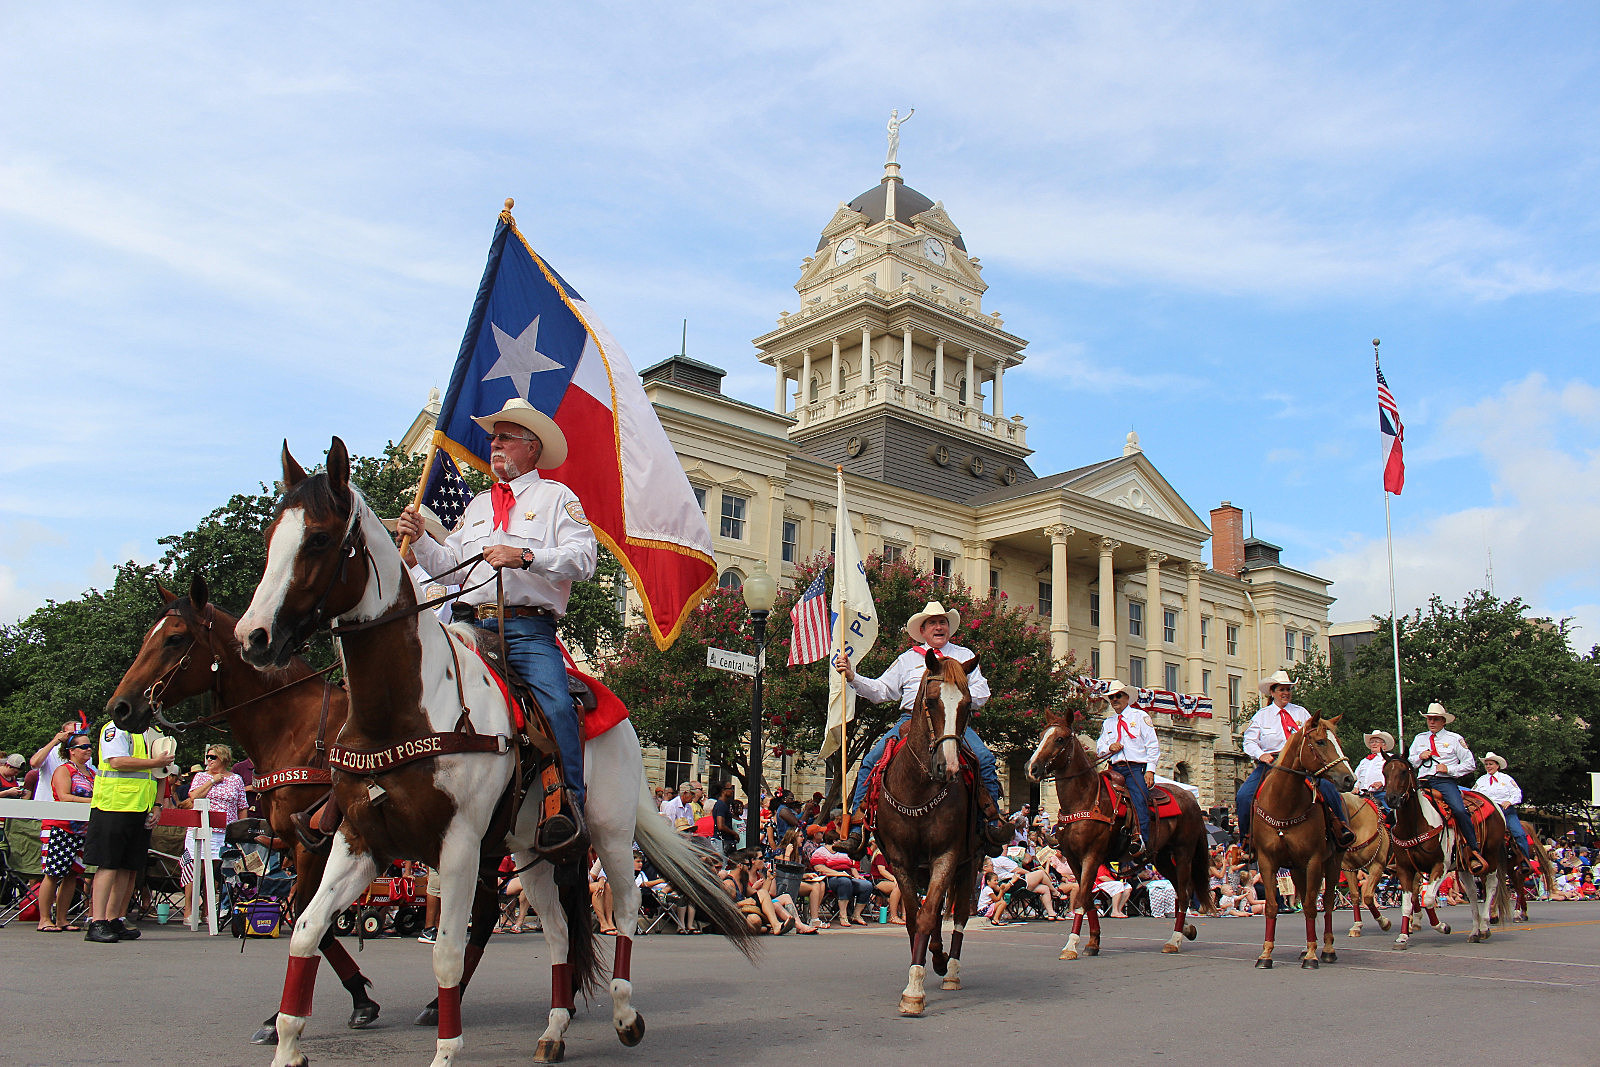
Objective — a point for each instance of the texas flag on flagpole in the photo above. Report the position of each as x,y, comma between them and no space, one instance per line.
1394,435
531,335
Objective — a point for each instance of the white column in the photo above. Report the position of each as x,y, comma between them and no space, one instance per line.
805,377
999,401
1108,610
780,399
1059,633
776,487
1155,660
905,357
1191,610
838,370
938,369
972,381
866,348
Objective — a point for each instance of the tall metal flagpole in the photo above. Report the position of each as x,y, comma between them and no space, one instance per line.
841,609
1394,617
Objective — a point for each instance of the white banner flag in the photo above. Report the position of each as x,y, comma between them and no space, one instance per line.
855,624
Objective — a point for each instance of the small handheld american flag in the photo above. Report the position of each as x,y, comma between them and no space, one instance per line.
447,494
813,624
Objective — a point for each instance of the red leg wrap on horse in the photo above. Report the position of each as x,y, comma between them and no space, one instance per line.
469,963
1077,922
623,967
339,959
1433,917
561,986
298,984
449,1012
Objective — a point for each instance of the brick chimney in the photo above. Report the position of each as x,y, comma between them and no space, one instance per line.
1227,539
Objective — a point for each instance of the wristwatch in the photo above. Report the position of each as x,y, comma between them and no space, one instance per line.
527,558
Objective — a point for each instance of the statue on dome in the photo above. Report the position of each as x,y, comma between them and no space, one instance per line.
894,132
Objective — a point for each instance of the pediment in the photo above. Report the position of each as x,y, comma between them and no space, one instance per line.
1134,483
738,485
699,476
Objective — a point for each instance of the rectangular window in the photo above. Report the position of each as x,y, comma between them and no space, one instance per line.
1233,640
994,582
1094,609
1205,683
1288,646
1046,601
700,497
791,541
1234,682
943,568
680,766
893,553
1094,662
1136,672
1205,633
733,517
1172,678
1305,644
1135,619
1169,627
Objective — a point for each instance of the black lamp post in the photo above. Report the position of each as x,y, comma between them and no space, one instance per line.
760,593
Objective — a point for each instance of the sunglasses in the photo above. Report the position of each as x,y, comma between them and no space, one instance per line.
73,748
505,437
215,755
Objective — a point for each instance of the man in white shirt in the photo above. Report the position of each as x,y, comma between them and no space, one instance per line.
929,630
1369,772
1269,730
1129,738
1503,789
534,532
1441,756
680,806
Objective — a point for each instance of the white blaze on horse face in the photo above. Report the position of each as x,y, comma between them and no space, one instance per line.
1035,771
950,698
282,549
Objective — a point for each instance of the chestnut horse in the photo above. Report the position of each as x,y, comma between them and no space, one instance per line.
1425,845
426,767
1365,861
1087,828
1292,830
926,824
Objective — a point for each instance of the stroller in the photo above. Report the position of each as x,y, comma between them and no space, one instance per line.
254,882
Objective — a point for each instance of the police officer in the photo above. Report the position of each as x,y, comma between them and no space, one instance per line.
534,531
1441,756
117,840
1129,738
1269,730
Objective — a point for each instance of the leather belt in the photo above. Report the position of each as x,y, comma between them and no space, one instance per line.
512,611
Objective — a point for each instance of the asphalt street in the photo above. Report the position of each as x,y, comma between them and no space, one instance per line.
181,998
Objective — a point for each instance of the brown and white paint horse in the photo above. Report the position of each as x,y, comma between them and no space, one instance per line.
1086,829
329,559
1366,861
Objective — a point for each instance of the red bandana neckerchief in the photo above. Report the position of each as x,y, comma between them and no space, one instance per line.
504,498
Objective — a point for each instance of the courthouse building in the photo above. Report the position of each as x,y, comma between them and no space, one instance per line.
893,369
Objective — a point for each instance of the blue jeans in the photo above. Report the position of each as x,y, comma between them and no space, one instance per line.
986,771
1450,789
1245,798
1514,824
847,889
531,647
1139,794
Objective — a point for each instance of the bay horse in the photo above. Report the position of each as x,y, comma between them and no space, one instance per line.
1426,845
427,768
1540,865
927,824
1366,861
1088,828
1292,830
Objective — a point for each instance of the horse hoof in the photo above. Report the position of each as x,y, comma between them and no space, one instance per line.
1384,924
941,963
950,983
1309,963
363,1015
267,1035
632,1035
1444,928
1066,954
1265,963
549,1051
1330,957
1093,950
1169,948
1494,920
1473,938
912,1005
428,1016
1189,932
1401,946
1354,932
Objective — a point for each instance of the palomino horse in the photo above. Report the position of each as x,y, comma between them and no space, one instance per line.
426,767
1366,860
926,824
1540,865
1424,845
1088,827
279,717
1292,830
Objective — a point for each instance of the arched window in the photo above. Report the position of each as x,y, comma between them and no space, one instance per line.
871,366
816,389
731,579
1180,773
963,390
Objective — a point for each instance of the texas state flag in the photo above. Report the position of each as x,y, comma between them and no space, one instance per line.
531,335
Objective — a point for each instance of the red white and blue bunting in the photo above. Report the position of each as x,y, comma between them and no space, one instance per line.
1182,705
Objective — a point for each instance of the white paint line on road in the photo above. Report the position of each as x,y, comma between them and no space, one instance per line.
1428,974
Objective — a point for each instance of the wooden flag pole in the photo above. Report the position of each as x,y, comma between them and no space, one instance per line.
422,487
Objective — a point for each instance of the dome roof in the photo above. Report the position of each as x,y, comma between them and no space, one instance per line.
874,205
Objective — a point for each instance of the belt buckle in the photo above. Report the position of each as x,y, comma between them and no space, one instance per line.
487,611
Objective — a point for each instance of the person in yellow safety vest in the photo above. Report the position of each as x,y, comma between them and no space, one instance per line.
117,840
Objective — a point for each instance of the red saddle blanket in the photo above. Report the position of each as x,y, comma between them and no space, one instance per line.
1478,806
608,708
1166,805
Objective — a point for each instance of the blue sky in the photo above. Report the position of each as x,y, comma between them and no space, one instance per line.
221,227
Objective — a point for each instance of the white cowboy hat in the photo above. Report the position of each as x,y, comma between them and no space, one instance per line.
1496,757
1382,735
530,418
1117,685
1436,710
1279,678
932,611
430,522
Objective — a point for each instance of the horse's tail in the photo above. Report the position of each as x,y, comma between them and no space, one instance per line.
1200,874
1502,890
684,869
1543,861
583,950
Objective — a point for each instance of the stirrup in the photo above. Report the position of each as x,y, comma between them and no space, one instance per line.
562,835
313,839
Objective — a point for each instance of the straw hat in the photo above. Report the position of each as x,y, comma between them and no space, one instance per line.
932,611
1487,756
1281,677
1117,685
530,418
1382,735
1436,711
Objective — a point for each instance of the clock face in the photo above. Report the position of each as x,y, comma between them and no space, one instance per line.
933,249
846,249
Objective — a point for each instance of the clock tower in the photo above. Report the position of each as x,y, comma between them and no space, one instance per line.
900,373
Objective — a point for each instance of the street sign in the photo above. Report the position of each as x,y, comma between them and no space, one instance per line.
735,662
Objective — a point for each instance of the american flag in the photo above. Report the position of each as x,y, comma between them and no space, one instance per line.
1394,435
447,494
813,624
